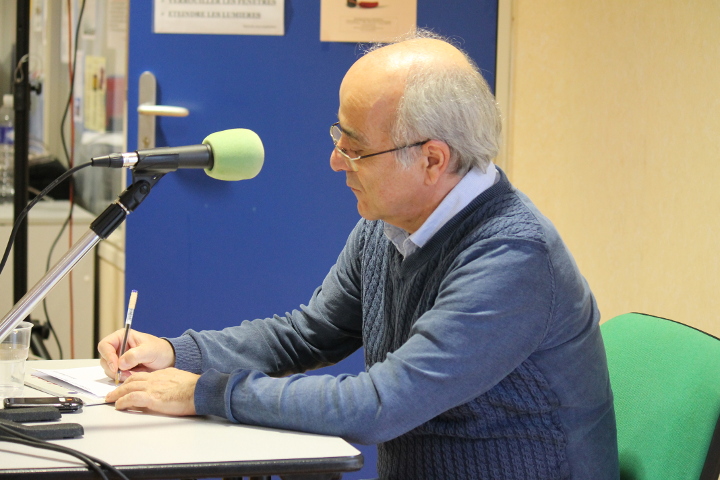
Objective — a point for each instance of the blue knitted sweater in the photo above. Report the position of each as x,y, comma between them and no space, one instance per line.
483,353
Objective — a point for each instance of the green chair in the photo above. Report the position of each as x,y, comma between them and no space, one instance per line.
666,383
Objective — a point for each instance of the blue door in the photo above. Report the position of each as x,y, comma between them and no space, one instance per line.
205,254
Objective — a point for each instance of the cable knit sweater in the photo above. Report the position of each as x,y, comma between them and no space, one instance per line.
483,354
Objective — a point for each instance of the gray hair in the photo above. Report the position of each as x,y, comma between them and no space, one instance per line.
454,105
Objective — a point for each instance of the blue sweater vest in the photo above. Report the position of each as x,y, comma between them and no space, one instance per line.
510,432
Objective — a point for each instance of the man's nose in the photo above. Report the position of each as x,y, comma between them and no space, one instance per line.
337,163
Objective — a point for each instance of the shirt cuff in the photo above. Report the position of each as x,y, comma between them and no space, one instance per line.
187,354
210,394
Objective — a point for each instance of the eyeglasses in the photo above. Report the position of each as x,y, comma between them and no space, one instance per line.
336,133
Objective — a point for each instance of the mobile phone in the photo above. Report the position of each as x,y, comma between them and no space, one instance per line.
64,404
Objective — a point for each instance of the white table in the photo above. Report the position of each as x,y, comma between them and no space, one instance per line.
156,446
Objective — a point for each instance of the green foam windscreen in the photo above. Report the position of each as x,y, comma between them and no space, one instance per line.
238,154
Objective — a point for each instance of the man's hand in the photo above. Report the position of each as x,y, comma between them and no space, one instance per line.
144,353
170,391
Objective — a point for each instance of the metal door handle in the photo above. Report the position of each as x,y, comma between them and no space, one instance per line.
148,110
163,110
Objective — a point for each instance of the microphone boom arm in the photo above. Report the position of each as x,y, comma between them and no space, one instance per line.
101,228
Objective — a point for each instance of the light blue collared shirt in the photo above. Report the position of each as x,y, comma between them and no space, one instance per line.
472,184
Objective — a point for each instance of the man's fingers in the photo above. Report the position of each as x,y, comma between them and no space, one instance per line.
169,391
135,356
138,400
108,354
107,368
144,352
129,385
136,377
108,350
128,360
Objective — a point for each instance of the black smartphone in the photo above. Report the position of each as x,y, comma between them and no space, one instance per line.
64,404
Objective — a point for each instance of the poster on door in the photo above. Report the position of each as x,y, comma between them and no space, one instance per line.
222,17
366,21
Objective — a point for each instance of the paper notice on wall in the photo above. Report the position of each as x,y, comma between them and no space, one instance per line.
365,21
224,17
95,88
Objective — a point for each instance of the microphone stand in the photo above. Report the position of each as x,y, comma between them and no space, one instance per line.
100,229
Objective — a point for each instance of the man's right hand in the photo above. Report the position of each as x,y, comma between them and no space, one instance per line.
144,353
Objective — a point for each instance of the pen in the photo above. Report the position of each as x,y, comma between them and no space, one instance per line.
128,323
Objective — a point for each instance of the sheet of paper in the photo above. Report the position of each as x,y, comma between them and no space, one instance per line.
90,379
95,93
57,388
229,17
361,21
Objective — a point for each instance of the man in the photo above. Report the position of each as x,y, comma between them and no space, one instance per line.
484,358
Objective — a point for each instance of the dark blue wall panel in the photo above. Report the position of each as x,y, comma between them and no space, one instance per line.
205,254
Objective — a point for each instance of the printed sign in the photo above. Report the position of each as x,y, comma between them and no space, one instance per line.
224,17
366,21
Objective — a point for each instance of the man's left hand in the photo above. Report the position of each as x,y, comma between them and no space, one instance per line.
169,391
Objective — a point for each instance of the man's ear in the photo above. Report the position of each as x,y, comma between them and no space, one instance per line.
437,160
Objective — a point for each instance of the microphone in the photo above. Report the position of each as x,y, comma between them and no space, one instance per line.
235,154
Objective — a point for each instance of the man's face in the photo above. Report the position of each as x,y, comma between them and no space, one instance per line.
384,189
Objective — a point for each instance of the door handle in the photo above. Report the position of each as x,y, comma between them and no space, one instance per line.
148,109
163,110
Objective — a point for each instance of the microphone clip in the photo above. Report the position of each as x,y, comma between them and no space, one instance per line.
127,202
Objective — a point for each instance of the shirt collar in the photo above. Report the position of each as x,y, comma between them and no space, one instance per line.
470,186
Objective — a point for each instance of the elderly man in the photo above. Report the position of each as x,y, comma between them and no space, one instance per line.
483,355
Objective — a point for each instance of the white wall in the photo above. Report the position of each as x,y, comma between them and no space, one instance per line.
613,129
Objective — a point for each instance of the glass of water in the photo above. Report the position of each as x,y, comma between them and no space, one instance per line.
13,354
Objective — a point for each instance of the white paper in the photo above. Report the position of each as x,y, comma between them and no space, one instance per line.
90,379
230,17
95,93
361,21
57,388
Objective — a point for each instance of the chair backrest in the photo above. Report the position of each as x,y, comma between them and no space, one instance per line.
666,384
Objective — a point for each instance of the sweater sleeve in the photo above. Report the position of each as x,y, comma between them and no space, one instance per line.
322,333
487,319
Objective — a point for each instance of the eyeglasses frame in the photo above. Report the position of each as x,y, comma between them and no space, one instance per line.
350,161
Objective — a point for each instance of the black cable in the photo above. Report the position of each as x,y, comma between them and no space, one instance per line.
93,462
50,446
13,436
31,204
